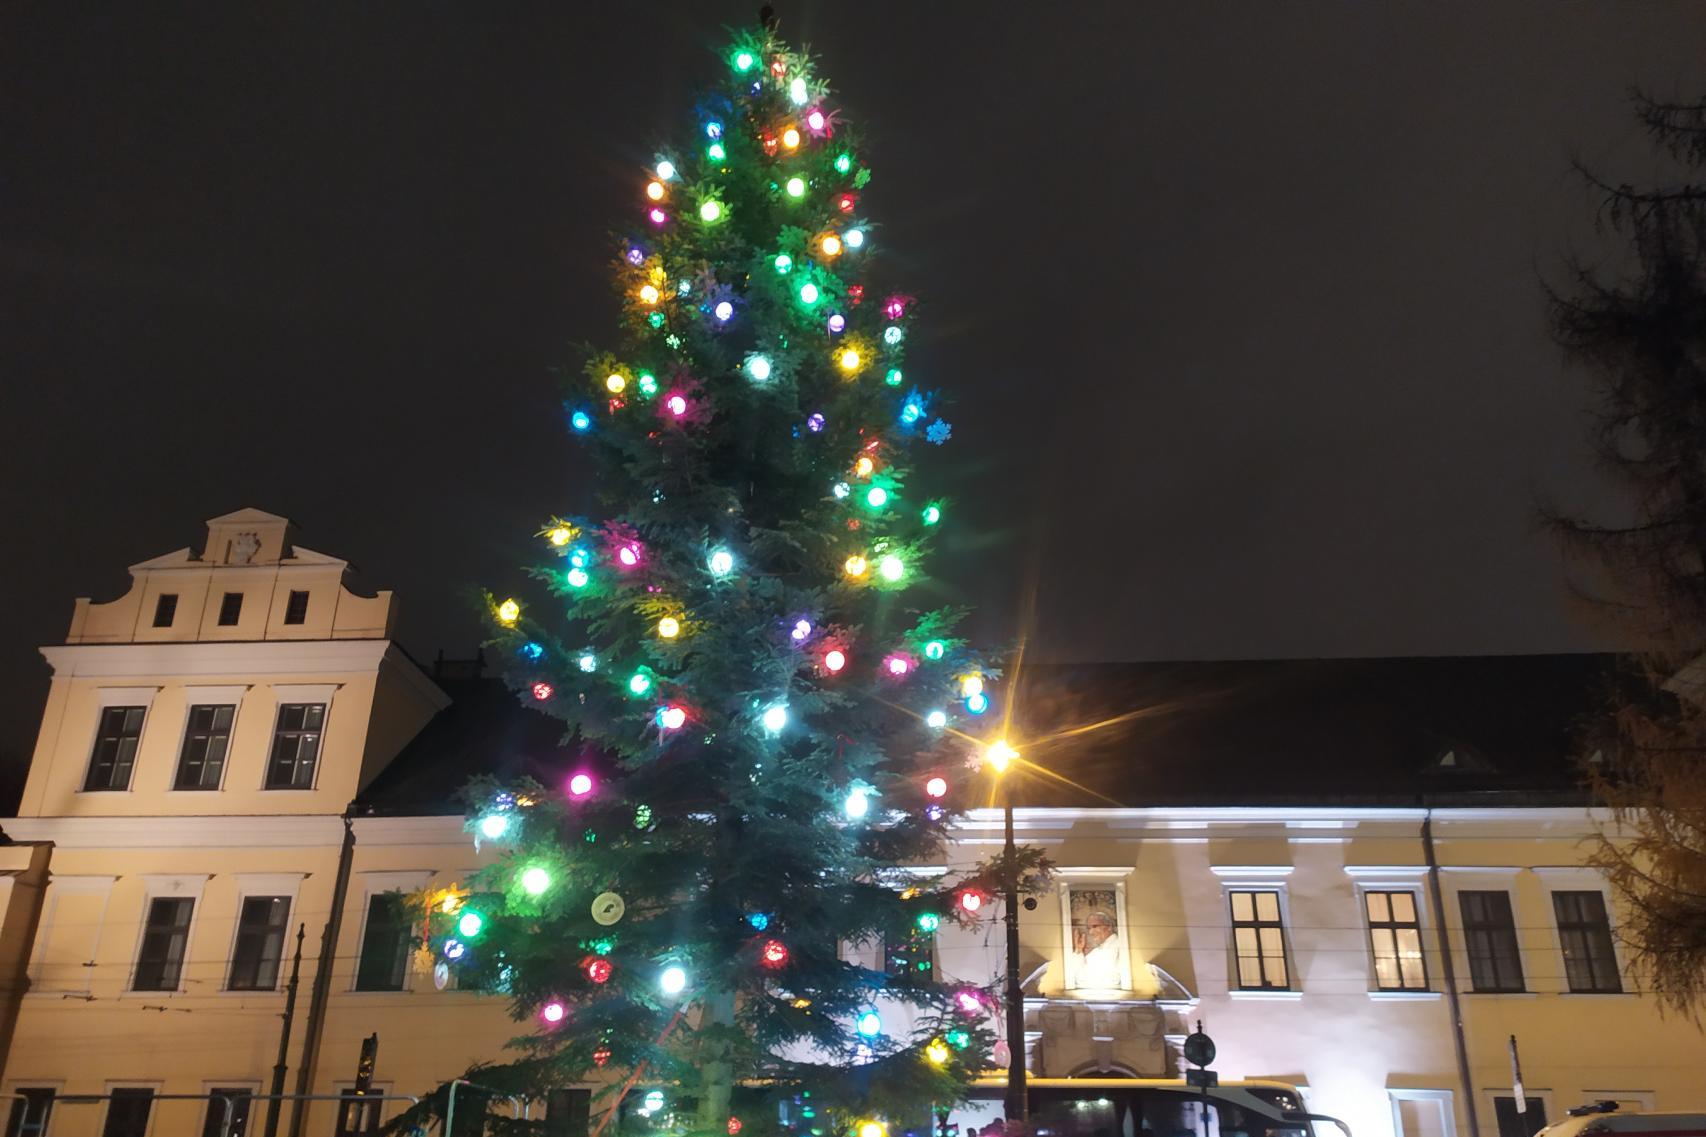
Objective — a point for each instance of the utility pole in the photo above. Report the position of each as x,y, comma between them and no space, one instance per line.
1016,1094
279,1069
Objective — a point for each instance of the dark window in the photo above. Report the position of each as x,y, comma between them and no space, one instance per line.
358,1118
206,738
230,608
240,1099
1258,938
296,608
1395,935
260,943
161,960
1489,934
127,1112
30,1110
1514,1124
911,958
115,748
165,608
1590,962
385,945
295,746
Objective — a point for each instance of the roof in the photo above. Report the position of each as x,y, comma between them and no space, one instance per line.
1453,730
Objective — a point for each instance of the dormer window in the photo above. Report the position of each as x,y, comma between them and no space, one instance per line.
230,609
296,609
165,609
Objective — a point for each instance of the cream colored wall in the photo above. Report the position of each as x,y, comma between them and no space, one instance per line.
334,612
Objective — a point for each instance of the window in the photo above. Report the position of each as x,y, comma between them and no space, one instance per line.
912,958
296,608
295,746
202,760
358,1118
1395,935
115,748
385,944
127,1112
30,1110
230,609
165,609
240,1097
1513,1124
161,960
1258,938
1584,931
1489,933
261,925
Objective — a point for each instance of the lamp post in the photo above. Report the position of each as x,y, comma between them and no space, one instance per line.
999,756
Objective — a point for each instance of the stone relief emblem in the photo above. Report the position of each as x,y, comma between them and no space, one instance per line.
244,546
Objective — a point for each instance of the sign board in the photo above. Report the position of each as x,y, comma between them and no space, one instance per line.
1516,1080
1203,1078
1199,1049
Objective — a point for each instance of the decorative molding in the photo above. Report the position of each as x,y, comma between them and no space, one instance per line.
202,696
175,884
76,885
1266,996
1094,873
1265,873
225,832
444,830
1382,871
250,657
269,883
126,696
1405,996
305,692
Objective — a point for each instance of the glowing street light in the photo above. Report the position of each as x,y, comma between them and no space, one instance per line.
999,755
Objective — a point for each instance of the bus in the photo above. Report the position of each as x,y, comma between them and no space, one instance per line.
1150,1107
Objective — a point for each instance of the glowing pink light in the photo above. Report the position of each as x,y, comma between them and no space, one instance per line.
838,323
815,120
542,691
898,665
580,785
936,787
677,405
895,308
969,1002
834,660
636,257
658,216
628,555
553,1012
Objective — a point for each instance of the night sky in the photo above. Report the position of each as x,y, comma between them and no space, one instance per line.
1240,303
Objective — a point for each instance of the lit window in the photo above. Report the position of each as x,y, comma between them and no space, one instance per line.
1395,936
1258,939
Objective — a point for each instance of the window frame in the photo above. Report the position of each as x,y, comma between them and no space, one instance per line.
183,748
227,607
362,943
1445,1100
1544,1097
147,923
21,1104
1475,988
243,900
217,1090
290,606
135,754
113,1088
165,603
1611,958
1392,924
325,706
1259,925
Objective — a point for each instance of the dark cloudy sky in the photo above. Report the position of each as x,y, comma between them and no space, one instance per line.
1239,301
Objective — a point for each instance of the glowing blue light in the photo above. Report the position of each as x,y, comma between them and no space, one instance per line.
814,423
869,1024
588,663
724,311
578,558
721,562
775,717
936,720
759,921
842,489
858,803
853,238
977,703
493,826
580,420
802,629
453,949
713,130
531,651
892,335
837,324
911,413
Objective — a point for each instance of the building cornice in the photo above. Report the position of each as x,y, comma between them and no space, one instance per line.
429,830
1294,818
222,832
249,657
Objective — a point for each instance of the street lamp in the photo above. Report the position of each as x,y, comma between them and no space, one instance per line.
1000,755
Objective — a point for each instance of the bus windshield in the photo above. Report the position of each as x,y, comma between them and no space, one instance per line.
1157,1111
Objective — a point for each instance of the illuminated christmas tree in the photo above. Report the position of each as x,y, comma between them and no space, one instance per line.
767,716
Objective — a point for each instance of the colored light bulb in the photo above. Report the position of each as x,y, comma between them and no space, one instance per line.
553,1012
1000,755
711,210
845,203
791,138
493,826
801,629
531,651
841,490
713,130
929,921
869,1024
588,662
669,627
894,378
893,335
971,901
744,61
911,413
715,152
636,257
470,924
580,420
580,785
977,704
855,238
535,881
721,562
454,949
542,691
843,163
671,718
639,683
598,969
834,660
935,649
814,423
759,920
808,293
898,665
849,360
891,568
666,169
796,187
857,805
774,954
658,216
758,366
784,262
628,555
673,981
509,611
615,384
877,497
724,311
856,565
654,190
815,120
971,685
577,578
936,720
677,405
871,1129
648,384
937,1053
837,324
831,246
797,91
775,717
560,535
932,514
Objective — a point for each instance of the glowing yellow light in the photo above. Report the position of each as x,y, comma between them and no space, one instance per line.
615,383
669,627
856,565
873,1129
560,535
1000,755
849,360
654,190
649,293
509,611
864,466
937,1053
790,138
831,246
801,1004
970,685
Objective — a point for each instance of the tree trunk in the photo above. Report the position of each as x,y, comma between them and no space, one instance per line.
716,1079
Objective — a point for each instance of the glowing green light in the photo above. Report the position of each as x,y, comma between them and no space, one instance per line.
648,384
958,1039
877,498
843,163
655,319
602,946
929,921
743,61
932,514
808,294
758,366
642,817
935,649
797,91
470,924
711,210
577,578
639,683
535,881
894,377
715,152
796,187
784,263
891,568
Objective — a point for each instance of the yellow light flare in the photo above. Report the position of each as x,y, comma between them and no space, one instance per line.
649,294
831,246
856,566
669,627
615,383
654,190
